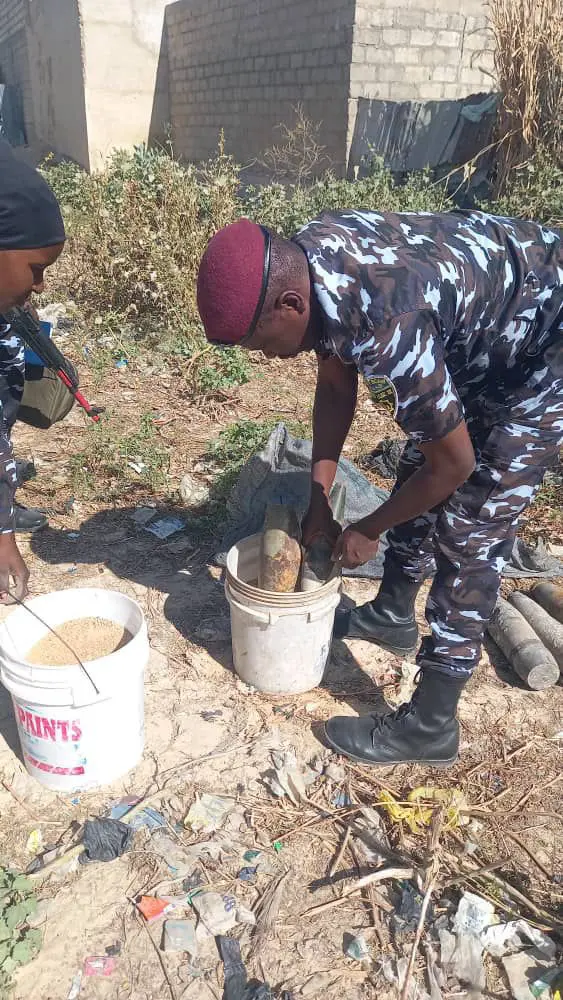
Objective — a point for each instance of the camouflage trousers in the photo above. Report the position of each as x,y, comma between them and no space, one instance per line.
517,431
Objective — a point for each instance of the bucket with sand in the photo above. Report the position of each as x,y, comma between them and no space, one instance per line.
78,695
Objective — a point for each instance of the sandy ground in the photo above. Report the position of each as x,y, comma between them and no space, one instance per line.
508,756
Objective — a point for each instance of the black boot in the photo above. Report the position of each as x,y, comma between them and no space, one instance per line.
389,619
424,731
28,519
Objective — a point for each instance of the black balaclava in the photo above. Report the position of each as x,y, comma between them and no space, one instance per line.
30,217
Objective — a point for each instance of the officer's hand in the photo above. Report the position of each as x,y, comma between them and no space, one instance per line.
319,521
14,573
353,548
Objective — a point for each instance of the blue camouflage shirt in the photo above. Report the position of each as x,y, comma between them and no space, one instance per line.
12,374
438,305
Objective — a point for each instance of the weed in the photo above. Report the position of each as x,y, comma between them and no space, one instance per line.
111,464
137,231
19,943
285,209
535,191
223,370
299,157
236,444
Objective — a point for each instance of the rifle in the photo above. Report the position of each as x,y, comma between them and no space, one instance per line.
28,328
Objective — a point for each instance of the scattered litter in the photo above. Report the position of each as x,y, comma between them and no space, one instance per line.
179,935
244,915
208,813
474,915
139,468
75,986
53,313
463,950
237,986
73,535
407,915
340,800
525,972
105,839
208,716
180,862
503,939
217,912
34,842
114,949
357,948
193,881
552,979
286,778
193,492
252,856
122,363
336,772
385,458
419,812
147,817
99,965
142,515
247,874
435,976
278,846
371,836
165,526
151,907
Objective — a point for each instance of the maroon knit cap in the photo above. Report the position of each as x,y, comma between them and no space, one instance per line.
230,281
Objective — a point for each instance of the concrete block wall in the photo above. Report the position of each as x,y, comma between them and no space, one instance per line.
14,59
243,66
121,49
427,50
87,70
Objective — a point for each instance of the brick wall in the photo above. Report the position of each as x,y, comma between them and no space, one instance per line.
243,65
419,50
14,59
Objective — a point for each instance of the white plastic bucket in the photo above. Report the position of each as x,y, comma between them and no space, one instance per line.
280,642
71,737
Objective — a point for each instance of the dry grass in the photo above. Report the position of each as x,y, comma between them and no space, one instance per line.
528,43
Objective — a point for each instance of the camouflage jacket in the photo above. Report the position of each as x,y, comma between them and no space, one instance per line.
440,306
12,370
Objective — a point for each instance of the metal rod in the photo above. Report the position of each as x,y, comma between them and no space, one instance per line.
56,634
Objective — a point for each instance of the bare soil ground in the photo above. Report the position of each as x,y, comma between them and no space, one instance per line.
509,766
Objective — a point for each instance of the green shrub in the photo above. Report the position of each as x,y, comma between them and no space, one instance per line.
111,463
19,943
223,370
137,231
286,209
533,191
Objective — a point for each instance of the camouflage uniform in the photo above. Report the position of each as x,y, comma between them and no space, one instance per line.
462,315
35,396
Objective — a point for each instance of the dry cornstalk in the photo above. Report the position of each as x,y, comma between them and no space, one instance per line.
527,38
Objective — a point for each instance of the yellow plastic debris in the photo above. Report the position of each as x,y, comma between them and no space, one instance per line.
34,842
418,808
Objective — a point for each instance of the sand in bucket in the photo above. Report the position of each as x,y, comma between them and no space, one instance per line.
90,638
